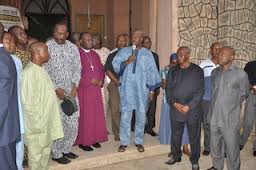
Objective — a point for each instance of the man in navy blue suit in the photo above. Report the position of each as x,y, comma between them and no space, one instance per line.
9,114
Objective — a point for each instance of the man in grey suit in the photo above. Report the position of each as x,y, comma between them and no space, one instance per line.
9,114
230,86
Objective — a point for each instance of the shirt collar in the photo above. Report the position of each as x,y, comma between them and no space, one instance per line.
85,50
232,67
1,45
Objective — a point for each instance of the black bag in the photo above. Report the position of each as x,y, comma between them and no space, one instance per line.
69,105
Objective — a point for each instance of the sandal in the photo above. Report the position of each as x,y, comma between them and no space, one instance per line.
140,148
122,148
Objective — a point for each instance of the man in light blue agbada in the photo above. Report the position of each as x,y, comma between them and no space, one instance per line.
138,78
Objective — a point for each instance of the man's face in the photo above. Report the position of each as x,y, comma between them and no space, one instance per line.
137,38
60,34
173,62
96,42
127,40
215,50
182,56
21,36
8,42
86,41
225,57
121,42
147,43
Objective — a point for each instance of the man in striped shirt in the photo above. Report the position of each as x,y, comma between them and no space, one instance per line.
208,66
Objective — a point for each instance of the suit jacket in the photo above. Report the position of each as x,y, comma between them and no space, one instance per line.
9,113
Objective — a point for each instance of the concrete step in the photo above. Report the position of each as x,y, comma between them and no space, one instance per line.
108,154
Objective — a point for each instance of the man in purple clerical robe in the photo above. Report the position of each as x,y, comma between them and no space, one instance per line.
92,126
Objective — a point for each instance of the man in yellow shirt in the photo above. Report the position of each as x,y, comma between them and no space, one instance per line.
41,109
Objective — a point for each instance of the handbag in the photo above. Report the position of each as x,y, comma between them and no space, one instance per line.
69,105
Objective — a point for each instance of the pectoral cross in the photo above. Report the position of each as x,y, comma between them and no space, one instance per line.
92,68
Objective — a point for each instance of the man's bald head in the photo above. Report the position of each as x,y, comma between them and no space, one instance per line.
227,55
183,54
137,37
229,50
39,52
1,32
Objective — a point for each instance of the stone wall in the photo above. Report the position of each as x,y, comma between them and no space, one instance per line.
232,22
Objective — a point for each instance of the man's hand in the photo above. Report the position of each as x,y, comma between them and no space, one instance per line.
117,82
130,59
185,109
164,82
60,93
253,89
100,83
73,91
94,82
178,106
151,96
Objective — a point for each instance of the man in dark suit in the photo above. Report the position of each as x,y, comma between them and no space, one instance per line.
185,91
152,105
9,114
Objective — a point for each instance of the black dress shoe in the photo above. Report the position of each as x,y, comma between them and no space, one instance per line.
152,133
206,153
212,168
62,160
86,148
96,145
170,154
195,167
172,161
70,155
241,147
254,153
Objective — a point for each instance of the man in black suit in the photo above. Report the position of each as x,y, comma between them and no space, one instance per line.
152,105
9,114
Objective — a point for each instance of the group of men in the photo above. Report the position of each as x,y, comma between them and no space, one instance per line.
59,70
40,77
211,93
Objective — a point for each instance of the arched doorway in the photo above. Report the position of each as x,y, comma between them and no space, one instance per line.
44,14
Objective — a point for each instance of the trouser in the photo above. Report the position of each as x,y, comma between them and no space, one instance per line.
194,132
38,154
125,128
114,108
70,129
8,157
150,123
20,153
254,143
206,124
105,97
249,118
225,140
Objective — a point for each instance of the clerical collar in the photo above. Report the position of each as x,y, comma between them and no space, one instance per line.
1,45
85,50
